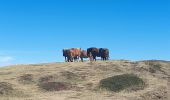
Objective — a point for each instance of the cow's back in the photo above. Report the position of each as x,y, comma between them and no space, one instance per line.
104,52
65,52
93,50
76,51
83,54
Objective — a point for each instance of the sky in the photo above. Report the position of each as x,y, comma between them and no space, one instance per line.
36,31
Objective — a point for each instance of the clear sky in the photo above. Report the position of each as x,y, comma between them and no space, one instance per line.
36,31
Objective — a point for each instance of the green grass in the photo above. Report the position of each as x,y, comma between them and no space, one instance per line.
121,82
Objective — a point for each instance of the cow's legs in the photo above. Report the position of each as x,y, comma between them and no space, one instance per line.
105,58
81,59
78,59
94,58
65,59
101,58
68,59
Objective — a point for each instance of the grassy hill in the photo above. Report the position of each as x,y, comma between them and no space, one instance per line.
83,81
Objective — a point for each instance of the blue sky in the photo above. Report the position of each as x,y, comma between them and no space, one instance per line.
36,31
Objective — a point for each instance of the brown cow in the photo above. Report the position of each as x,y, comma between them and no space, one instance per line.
83,55
72,54
75,54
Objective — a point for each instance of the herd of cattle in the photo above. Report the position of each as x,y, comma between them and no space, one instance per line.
73,54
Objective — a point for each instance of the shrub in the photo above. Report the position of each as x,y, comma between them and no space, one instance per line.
153,66
54,86
26,79
55,82
5,88
121,82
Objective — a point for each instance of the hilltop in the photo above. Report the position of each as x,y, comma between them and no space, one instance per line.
81,80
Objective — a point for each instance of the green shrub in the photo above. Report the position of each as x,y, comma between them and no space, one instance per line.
153,66
54,86
121,82
5,88
26,79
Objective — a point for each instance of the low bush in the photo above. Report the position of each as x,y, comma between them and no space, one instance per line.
121,82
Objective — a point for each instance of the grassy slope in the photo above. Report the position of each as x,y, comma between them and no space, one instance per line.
86,80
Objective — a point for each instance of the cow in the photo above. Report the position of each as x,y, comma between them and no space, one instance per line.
72,54
67,55
83,54
104,53
93,51
75,53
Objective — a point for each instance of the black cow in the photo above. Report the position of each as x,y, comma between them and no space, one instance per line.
104,53
94,52
67,55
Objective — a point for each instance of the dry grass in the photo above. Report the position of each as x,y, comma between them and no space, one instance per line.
80,81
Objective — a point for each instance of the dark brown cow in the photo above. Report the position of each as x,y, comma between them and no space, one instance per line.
83,55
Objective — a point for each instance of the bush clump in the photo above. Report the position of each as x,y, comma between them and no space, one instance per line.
153,66
53,83
121,82
5,88
54,86
26,79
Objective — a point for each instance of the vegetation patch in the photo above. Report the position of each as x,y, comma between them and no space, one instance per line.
54,82
153,66
26,79
121,82
5,88
47,78
54,86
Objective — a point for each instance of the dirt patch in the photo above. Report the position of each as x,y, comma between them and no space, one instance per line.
65,76
89,86
108,68
47,78
70,76
5,88
5,73
158,94
26,79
